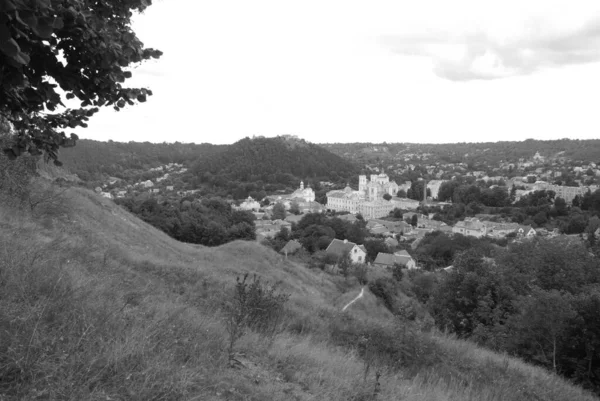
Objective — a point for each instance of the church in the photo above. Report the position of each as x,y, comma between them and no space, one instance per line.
306,194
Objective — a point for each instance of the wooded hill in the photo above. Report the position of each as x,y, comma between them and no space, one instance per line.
91,160
275,160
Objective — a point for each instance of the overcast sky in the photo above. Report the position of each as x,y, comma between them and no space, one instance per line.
431,71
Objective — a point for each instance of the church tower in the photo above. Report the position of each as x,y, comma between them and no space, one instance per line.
362,182
301,185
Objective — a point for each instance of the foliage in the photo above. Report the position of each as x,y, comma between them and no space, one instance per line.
208,221
316,231
278,211
535,300
254,306
96,42
272,160
375,246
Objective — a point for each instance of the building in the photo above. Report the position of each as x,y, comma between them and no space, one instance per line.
377,186
306,194
434,187
291,247
405,203
339,248
368,200
249,204
401,258
470,226
375,208
345,200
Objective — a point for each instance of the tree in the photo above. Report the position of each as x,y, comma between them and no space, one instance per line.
414,220
294,208
387,197
77,48
278,211
543,321
374,247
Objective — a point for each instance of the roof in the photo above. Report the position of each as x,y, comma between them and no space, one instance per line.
391,242
388,259
339,247
291,247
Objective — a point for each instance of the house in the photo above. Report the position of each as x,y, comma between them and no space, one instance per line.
358,253
249,204
391,242
291,247
388,260
526,231
472,227
347,217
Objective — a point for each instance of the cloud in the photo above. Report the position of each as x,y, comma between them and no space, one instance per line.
481,54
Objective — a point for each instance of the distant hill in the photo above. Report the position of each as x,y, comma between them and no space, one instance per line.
488,152
275,160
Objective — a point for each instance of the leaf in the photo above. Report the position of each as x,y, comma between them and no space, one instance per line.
10,47
27,18
22,58
44,27
6,5
58,23
4,33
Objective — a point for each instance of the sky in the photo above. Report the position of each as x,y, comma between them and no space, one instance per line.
427,71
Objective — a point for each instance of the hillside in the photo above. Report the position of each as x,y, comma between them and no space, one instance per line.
92,160
98,305
490,153
275,160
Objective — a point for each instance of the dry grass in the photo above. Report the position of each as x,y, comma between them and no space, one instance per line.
97,305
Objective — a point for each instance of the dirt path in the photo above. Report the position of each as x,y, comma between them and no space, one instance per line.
362,291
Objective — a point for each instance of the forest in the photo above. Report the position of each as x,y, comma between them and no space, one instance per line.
537,299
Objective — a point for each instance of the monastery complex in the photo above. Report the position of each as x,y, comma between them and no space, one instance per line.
368,200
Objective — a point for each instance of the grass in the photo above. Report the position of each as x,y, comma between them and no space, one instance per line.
97,305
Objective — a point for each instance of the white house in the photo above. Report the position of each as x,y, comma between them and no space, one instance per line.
358,253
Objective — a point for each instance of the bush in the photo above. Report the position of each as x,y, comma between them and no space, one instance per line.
385,290
254,306
360,271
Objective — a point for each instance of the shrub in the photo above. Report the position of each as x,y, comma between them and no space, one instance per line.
360,271
385,290
254,306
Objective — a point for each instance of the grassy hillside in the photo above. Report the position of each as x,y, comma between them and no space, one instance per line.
97,305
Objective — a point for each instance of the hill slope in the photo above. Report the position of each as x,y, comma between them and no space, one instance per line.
98,305
268,159
91,160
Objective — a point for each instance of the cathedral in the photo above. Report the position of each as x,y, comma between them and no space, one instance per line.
306,194
377,186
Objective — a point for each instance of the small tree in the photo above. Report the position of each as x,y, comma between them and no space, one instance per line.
278,211
255,306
